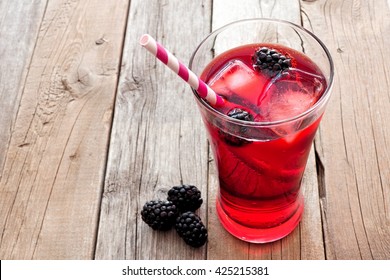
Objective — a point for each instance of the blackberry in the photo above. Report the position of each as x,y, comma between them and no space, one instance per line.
230,139
159,215
189,226
185,197
270,60
240,114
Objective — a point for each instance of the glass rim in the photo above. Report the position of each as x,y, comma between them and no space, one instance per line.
323,99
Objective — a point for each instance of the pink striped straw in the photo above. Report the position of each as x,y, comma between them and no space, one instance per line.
180,69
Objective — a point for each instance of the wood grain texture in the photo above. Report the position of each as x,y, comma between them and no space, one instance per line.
19,28
353,142
19,25
52,177
157,140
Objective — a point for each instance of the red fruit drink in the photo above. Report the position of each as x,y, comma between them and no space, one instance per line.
261,159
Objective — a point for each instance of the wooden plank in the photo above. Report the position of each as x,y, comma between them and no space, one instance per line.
158,139
18,30
354,135
52,177
306,241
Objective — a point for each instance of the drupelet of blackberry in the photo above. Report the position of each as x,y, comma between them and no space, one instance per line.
189,226
266,59
159,215
185,197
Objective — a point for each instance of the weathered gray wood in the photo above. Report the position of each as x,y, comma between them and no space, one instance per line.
158,140
53,171
306,241
353,143
18,31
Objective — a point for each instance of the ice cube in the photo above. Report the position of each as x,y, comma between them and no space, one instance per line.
238,78
289,102
291,97
292,94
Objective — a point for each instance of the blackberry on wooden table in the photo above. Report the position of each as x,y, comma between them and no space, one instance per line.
159,215
185,197
189,226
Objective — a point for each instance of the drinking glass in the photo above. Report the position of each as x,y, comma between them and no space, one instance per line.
260,164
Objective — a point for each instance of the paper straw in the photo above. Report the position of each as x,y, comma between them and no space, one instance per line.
180,69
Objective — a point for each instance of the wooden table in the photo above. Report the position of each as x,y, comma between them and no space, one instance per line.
92,126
